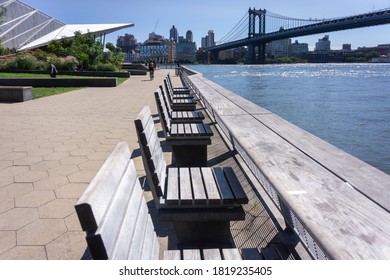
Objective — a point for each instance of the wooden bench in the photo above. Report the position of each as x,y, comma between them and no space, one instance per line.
205,254
179,104
199,201
176,94
178,90
176,116
114,214
189,141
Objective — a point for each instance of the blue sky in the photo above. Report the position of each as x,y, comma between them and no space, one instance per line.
220,16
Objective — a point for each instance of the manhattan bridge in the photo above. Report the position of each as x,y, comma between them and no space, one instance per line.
259,27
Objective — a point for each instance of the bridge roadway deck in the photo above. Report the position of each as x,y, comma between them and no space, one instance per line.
51,148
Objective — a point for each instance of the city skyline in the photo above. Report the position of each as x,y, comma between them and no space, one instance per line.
202,16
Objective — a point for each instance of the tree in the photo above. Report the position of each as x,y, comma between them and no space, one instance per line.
88,52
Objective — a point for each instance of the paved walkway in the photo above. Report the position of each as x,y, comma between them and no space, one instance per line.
50,149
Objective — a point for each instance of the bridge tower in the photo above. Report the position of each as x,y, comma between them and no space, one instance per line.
260,16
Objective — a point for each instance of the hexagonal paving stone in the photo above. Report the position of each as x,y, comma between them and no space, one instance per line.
7,204
51,183
84,176
59,208
56,156
17,218
25,253
41,232
99,156
45,165
72,190
73,223
82,152
28,160
66,148
13,156
92,165
63,170
6,163
35,199
5,181
31,176
13,170
69,246
14,190
40,152
7,240
74,160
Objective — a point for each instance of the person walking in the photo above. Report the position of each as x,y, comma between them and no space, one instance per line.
53,71
151,70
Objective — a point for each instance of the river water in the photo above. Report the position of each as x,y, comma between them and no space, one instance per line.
348,105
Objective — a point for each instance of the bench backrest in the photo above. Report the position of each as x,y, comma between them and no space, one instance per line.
163,112
114,213
152,154
168,90
166,99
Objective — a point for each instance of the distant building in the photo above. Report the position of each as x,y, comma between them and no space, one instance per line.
204,42
186,52
189,36
296,48
127,43
173,34
347,48
209,40
155,48
278,48
323,45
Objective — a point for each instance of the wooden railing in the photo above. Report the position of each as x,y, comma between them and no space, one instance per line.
337,204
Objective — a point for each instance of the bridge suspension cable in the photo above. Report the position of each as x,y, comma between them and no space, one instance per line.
239,31
274,23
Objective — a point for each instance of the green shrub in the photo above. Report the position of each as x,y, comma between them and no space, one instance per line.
24,62
105,67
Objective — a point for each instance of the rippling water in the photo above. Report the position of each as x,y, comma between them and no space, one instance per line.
347,105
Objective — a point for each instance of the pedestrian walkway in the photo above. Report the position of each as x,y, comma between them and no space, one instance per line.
51,148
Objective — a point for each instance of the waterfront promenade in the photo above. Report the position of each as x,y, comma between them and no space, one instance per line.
51,148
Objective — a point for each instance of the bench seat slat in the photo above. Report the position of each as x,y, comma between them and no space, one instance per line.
231,254
172,194
223,186
194,128
191,255
213,196
172,255
200,197
185,187
238,191
212,254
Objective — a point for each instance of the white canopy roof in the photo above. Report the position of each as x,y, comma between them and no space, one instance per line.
69,30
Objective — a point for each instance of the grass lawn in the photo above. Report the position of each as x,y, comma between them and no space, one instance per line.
48,91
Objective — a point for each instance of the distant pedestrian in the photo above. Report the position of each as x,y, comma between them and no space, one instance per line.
151,70
53,71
